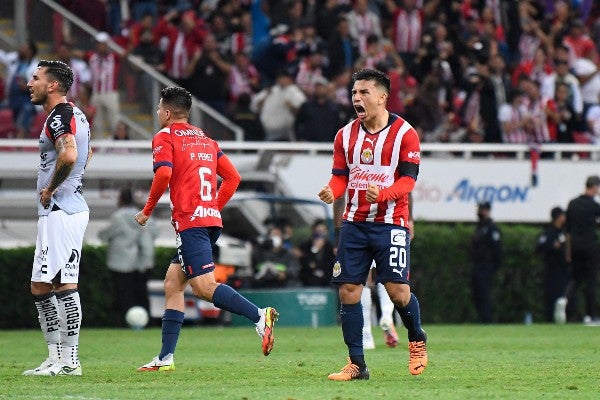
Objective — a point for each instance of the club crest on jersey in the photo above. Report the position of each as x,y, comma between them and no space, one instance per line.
367,156
337,269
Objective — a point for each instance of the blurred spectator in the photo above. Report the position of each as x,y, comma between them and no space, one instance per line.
130,255
307,41
551,246
559,20
104,66
342,49
540,116
121,132
532,36
151,55
580,43
117,15
363,23
81,70
138,28
589,81
247,120
424,111
309,71
566,123
142,8
341,92
210,75
317,256
327,16
84,102
408,22
277,106
241,38
499,78
318,119
536,69
259,12
275,53
373,54
592,119
275,266
244,77
219,28
179,37
20,66
91,11
294,14
511,116
562,74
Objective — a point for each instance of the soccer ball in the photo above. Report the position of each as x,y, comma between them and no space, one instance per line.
137,317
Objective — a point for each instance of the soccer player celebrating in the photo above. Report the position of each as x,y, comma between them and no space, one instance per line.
63,218
376,157
188,162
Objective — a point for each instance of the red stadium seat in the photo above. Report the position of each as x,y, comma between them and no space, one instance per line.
7,128
36,124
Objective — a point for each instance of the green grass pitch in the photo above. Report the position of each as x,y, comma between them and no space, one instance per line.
465,362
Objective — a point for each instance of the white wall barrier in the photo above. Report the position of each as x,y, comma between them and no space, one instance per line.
449,189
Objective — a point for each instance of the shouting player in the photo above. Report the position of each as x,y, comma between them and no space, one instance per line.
188,162
63,217
376,158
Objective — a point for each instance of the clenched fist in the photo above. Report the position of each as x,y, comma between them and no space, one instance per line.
326,195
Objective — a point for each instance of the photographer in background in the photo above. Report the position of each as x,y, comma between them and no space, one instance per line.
130,255
317,256
274,265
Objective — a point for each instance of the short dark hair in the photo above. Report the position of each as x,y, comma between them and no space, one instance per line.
556,212
485,205
126,197
592,181
59,71
178,98
379,77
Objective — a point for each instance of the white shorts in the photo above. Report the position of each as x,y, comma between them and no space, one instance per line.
58,246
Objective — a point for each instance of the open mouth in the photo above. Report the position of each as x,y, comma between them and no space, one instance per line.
360,111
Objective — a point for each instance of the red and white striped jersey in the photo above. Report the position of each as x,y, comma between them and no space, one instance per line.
408,28
375,158
539,131
105,71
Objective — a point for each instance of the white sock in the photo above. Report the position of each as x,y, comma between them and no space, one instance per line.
48,315
69,307
367,304
387,307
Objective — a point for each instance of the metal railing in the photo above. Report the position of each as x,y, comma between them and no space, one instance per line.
449,150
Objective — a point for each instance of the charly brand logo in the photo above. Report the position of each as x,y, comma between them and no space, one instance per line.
188,132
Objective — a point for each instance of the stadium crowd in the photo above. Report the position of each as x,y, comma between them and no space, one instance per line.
496,71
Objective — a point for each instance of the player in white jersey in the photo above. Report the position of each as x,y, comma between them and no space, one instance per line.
63,217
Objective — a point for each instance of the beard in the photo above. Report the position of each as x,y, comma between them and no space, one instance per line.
39,100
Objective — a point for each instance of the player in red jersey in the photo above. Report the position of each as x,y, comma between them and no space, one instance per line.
376,159
188,162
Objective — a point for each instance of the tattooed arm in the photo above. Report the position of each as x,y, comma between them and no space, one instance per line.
67,155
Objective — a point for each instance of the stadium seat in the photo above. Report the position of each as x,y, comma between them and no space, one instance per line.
7,128
36,124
